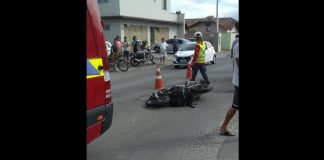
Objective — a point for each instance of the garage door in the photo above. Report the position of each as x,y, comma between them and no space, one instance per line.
136,30
160,32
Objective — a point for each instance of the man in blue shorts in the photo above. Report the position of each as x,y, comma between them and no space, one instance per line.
235,106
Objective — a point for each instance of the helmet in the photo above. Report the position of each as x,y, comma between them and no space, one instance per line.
198,34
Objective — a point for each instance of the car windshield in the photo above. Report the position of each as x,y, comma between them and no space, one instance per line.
188,47
186,41
192,39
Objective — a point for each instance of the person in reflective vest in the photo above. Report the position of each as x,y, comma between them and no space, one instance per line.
198,62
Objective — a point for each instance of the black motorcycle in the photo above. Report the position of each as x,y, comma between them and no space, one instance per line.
178,95
142,56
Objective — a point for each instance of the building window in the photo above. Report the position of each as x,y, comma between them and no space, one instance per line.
102,1
106,27
207,26
164,4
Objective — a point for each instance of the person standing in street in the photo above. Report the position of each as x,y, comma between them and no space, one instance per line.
163,47
175,44
235,105
125,48
118,45
234,43
198,61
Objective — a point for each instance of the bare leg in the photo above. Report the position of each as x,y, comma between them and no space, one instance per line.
163,59
229,115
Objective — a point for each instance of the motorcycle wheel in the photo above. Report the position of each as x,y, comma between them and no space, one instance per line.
151,57
134,62
201,89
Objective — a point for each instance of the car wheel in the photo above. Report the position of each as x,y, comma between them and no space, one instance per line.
157,50
177,67
214,60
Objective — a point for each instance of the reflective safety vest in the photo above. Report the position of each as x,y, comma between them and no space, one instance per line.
201,56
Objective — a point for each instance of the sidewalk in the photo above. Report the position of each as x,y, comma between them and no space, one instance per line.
229,149
225,52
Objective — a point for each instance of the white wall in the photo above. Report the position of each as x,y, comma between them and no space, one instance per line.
114,30
173,31
173,28
181,28
149,9
233,29
112,8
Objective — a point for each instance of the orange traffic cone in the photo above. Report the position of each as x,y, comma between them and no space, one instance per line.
158,81
189,72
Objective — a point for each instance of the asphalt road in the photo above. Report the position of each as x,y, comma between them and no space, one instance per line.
169,133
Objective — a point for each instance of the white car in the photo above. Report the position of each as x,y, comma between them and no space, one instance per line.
181,41
108,47
186,52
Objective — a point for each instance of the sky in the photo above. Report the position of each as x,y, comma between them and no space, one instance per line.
204,8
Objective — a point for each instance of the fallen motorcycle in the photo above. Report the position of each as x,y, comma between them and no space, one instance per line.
178,95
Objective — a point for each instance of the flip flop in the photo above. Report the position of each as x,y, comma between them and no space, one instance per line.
226,134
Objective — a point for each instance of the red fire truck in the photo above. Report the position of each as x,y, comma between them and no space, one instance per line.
99,104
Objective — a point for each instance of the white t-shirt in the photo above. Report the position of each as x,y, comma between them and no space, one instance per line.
235,80
125,45
163,47
233,44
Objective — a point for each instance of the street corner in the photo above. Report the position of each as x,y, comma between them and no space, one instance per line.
223,53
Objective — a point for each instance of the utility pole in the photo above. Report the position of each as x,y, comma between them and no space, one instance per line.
217,16
217,45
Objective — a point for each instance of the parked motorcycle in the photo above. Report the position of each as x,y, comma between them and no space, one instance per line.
142,56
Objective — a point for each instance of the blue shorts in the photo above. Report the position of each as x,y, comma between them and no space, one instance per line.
235,104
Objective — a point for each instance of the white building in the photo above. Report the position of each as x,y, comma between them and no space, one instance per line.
148,20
